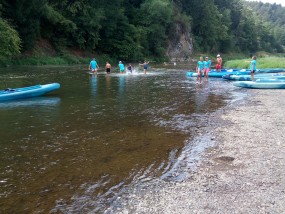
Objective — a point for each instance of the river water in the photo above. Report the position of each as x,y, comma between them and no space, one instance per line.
77,148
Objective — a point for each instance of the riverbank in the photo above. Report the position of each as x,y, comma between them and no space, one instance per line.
63,59
243,173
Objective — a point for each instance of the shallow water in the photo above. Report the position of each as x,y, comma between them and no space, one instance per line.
78,148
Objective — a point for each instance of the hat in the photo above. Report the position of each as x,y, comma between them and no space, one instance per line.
120,61
218,55
206,57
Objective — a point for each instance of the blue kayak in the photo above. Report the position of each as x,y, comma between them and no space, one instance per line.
271,80
214,73
26,92
270,70
236,77
276,84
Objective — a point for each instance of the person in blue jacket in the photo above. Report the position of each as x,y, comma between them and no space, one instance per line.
121,67
253,67
200,69
93,66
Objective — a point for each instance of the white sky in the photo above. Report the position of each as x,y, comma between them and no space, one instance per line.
282,2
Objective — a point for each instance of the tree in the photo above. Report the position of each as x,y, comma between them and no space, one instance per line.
25,16
156,19
9,40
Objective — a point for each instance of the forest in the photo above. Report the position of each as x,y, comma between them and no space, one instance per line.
134,29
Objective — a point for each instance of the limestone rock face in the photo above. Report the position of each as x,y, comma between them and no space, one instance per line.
180,46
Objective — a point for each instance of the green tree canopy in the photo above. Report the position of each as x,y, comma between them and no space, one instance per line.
134,29
9,40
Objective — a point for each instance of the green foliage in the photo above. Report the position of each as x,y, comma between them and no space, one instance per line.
9,40
120,37
43,60
272,19
138,29
26,17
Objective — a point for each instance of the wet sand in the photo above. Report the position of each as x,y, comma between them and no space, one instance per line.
243,173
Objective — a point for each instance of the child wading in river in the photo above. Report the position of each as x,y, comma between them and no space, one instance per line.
200,70
207,66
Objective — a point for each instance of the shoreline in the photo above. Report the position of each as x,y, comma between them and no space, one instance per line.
242,173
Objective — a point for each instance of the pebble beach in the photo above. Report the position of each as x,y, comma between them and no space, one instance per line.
242,173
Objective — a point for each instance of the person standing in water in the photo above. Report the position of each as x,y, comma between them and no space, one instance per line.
207,66
219,63
199,70
145,66
253,67
93,66
130,68
121,67
108,68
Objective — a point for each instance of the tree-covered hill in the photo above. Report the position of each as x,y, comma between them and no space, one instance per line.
133,29
273,15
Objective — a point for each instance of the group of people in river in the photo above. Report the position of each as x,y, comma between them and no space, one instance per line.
94,67
204,67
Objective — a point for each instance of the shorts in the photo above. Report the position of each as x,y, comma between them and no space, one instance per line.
207,70
252,72
122,70
108,70
200,72
93,69
218,66
145,67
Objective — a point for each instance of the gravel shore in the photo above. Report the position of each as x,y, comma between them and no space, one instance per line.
243,173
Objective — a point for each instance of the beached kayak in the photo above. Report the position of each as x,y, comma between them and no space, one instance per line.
248,77
214,73
271,80
261,84
270,70
26,92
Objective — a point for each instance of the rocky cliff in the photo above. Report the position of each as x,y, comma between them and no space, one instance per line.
181,44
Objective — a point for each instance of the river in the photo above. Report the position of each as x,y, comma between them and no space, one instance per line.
77,148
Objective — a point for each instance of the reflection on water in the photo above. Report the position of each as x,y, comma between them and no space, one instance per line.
31,102
93,80
79,148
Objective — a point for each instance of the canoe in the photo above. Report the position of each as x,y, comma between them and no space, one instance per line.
236,77
261,84
26,92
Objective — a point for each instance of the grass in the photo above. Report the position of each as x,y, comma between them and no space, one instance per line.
45,60
66,59
263,62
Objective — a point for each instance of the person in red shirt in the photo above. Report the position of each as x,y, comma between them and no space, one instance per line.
219,63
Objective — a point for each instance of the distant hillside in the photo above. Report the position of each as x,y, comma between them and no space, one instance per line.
273,13
274,16
139,29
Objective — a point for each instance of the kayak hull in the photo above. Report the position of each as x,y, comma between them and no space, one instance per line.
214,73
261,84
248,77
218,74
26,92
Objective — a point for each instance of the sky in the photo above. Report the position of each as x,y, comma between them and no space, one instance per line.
282,2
